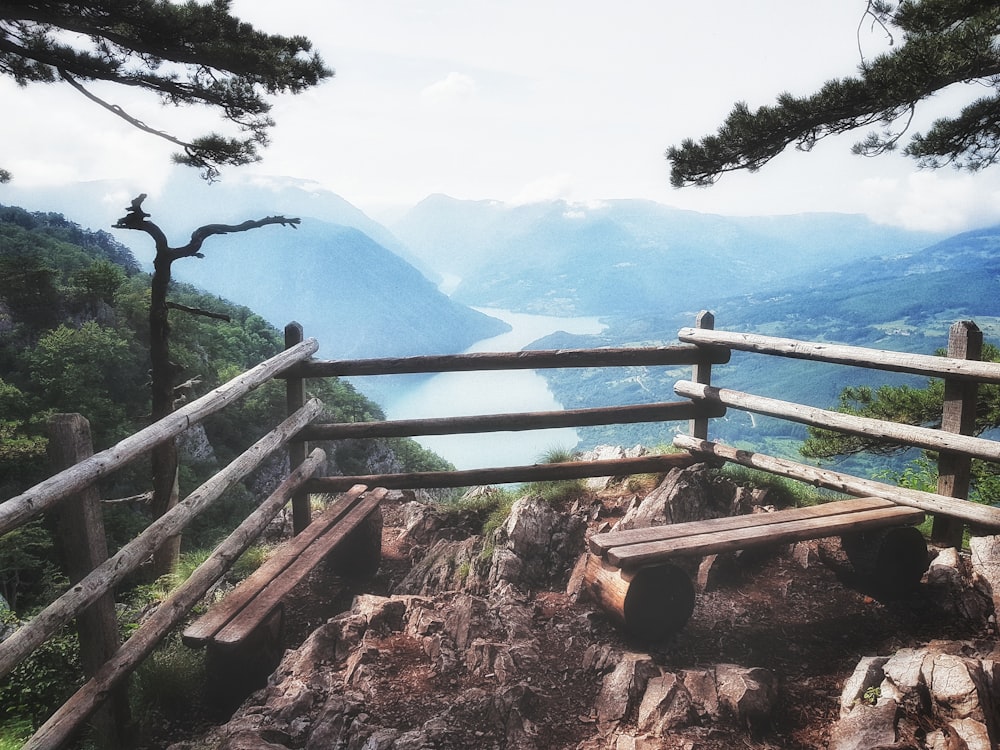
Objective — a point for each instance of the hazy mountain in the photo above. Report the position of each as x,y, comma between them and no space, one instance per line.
629,256
903,302
357,298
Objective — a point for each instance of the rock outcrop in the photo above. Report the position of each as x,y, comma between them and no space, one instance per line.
488,642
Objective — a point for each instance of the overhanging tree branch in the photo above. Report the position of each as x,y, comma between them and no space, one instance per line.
945,42
190,53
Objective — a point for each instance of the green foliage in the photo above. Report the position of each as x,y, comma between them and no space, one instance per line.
938,43
190,53
414,457
26,563
37,686
561,490
169,683
917,406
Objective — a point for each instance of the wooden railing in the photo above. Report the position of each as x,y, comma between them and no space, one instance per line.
701,348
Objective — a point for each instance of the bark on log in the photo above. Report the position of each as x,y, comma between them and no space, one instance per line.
128,558
508,474
981,515
18,510
650,603
890,561
879,359
525,360
920,437
662,412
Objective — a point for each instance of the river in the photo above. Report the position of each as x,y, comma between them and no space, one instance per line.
453,394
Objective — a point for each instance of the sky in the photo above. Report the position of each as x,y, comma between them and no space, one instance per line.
525,100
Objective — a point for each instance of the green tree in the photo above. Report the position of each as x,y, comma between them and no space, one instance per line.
940,43
89,370
186,53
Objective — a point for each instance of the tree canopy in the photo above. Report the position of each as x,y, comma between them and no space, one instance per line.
190,53
935,44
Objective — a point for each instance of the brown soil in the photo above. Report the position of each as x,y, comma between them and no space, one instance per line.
809,626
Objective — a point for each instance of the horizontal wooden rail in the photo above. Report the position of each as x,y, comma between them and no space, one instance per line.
920,437
662,412
857,356
111,572
63,723
510,474
30,503
983,515
682,354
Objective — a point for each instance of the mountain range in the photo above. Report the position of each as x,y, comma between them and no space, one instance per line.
368,289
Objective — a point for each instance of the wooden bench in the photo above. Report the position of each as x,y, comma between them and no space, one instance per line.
631,576
243,631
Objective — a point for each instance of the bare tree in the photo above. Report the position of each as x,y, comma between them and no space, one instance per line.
163,371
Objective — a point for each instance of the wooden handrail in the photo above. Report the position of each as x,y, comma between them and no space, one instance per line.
857,356
509,474
107,575
27,505
920,437
662,412
526,360
976,513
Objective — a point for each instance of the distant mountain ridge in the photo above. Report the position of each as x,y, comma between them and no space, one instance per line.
357,298
624,257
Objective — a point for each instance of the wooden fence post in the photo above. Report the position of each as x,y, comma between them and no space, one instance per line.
965,341
702,373
84,547
297,449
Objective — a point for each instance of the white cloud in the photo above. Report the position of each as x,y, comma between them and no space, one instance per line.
549,188
935,201
453,88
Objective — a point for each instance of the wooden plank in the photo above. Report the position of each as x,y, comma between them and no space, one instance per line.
601,543
985,516
652,356
857,356
295,397
712,543
958,414
205,627
920,437
668,411
505,475
701,373
247,619
20,509
111,572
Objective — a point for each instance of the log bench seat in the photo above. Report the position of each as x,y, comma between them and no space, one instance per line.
631,575
243,631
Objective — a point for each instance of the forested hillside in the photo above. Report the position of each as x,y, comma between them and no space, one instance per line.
74,338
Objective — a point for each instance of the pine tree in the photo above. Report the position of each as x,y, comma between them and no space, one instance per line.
943,42
190,53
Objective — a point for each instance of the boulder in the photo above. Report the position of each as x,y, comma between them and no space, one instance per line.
865,727
747,693
666,704
688,494
623,688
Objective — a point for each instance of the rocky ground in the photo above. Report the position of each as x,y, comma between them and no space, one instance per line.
465,641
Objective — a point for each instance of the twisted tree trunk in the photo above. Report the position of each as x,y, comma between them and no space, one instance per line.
163,372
